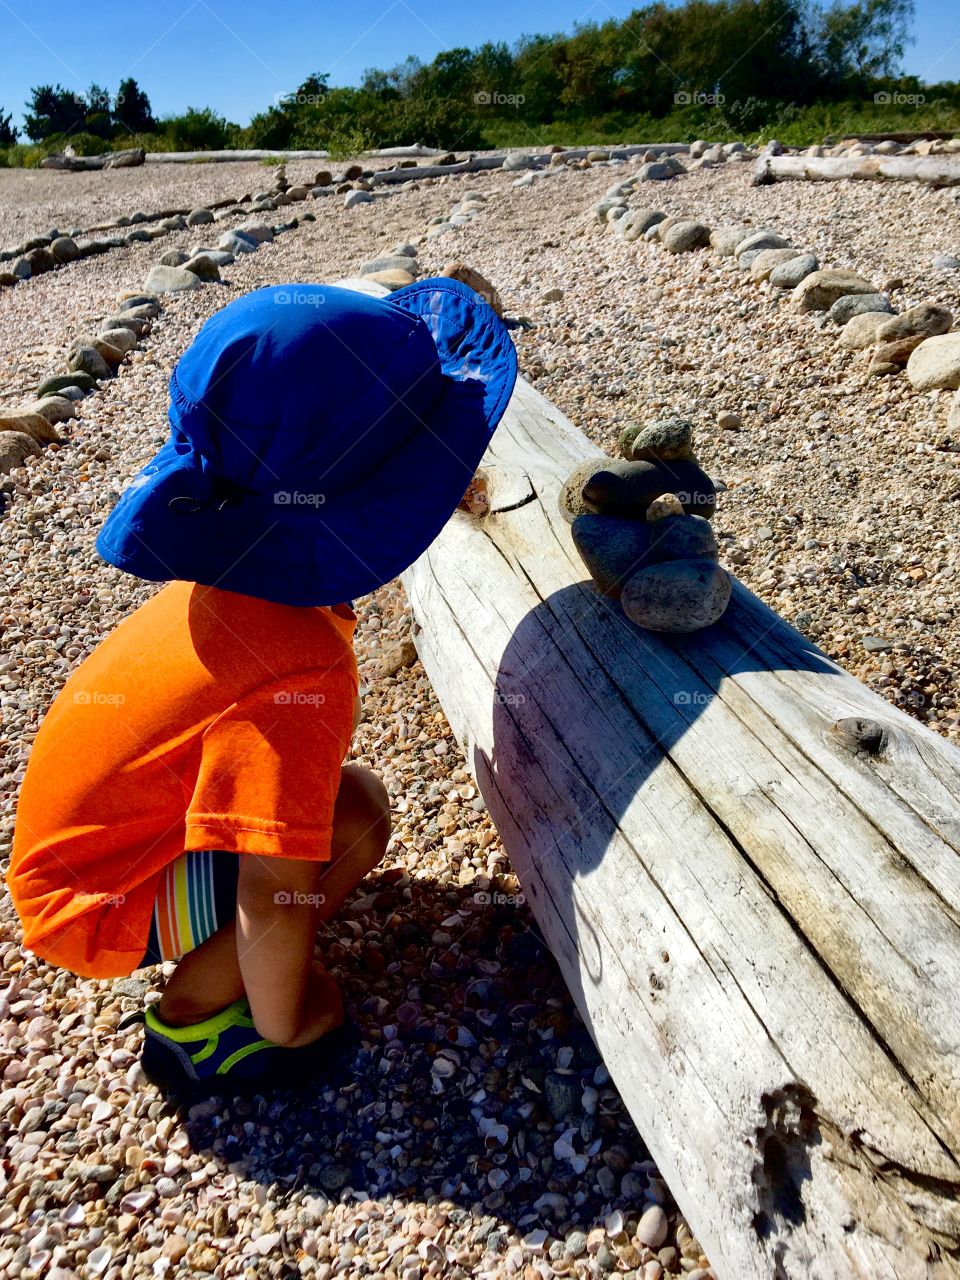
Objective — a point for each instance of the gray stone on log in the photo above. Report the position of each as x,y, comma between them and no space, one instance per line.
613,486
64,249
677,595
199,217
353,198
612,548
682,538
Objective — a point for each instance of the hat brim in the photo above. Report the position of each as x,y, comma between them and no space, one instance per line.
301,548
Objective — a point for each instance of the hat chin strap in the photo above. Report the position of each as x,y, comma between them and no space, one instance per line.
224,493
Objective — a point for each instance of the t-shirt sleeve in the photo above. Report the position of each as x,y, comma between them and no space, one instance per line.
270,768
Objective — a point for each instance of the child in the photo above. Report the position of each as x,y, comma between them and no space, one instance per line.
186,794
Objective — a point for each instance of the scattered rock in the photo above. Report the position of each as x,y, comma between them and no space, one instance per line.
51,386
15,446
729,421
561,1092
684,236
821,289
352,198
652,1227
36,425
40,260
392,262
199,217
927,320
64,249
861,331
237,242
204,267
655,171
677,596
935,364
895,353
946,262
636,222
789,274
174,258
858,304
726,239
767,260
171,280
88,360
552,295
764,239
473,280
54,408
390,279
399,655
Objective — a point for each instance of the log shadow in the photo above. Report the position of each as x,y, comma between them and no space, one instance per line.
603,703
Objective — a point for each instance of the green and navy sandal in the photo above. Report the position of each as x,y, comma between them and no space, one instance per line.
226,1053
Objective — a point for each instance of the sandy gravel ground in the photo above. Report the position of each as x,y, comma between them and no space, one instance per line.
477,1132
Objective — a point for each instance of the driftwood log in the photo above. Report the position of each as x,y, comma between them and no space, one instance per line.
746,865
935,171
490,160
131,158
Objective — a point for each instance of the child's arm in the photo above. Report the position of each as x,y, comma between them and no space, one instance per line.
277,920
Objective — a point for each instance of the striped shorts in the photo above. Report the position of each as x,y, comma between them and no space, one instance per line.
196,896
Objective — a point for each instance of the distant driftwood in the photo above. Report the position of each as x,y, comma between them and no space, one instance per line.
934,171
129,159
221,157
496,160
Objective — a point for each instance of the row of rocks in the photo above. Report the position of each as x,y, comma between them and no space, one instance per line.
918,341
96,356
642,528
54,248
889,147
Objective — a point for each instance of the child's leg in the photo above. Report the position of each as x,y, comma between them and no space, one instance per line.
207,979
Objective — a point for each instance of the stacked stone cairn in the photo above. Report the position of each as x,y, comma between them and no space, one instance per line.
642,527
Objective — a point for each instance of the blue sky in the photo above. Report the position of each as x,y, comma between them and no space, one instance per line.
236,55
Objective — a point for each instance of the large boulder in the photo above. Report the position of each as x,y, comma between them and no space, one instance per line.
821,289
684,236
926,320
935,364
171,280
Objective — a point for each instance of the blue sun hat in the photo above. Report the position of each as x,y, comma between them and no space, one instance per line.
320,440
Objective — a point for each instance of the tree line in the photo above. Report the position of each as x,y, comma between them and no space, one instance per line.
738,65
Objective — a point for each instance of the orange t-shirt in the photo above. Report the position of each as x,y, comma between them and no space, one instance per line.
206,720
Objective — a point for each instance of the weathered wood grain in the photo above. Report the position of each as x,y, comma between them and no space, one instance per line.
757,913
937,171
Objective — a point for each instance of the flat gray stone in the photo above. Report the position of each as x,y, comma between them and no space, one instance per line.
858,304
789,274
677,596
